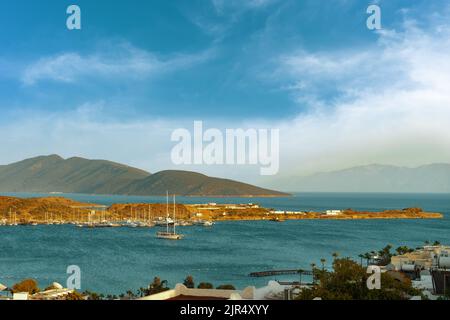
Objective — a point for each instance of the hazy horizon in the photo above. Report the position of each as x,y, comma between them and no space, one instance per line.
372,178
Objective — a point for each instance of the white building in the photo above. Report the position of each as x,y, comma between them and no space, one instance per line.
333,212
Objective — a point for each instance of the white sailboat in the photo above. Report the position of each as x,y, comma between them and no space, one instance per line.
170,235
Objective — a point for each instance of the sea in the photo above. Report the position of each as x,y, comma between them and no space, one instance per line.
115,260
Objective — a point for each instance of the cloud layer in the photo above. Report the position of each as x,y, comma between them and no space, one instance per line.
389,103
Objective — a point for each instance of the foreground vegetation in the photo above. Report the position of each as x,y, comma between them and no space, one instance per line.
156,286
348,281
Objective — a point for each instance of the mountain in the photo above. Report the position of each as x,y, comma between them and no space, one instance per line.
378,178
77,175
192,183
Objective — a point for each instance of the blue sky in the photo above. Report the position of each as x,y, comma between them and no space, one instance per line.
148,67
235,45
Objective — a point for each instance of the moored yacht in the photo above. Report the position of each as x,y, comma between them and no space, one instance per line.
170,234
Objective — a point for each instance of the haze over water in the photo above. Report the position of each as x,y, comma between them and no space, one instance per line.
113,260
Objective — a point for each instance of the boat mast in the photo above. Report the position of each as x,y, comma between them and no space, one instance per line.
167,211
174,214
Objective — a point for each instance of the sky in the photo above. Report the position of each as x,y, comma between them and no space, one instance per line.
340,94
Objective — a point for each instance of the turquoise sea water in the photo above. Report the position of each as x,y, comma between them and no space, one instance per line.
113,260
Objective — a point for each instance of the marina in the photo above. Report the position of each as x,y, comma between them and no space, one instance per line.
227,253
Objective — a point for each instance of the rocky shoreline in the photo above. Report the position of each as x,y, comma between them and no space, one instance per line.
59,210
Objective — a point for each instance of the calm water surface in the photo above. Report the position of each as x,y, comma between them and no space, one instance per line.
113,260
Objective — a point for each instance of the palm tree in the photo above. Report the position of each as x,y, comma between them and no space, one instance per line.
361,257
157,286
142,291
335,255
367,256
313,268
130,294
403,249
322,261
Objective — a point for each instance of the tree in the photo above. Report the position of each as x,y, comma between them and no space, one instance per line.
142,291
157,286
347,281
27,285
385,255
189,282
335,255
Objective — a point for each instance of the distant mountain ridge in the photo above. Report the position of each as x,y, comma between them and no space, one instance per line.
432,178
78,175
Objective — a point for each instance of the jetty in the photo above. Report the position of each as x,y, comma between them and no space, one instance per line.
270,273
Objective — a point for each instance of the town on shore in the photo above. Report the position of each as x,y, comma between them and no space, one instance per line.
59,210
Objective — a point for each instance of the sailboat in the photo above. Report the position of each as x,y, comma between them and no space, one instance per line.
169,235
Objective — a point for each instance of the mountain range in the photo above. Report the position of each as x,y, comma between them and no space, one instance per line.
78,175
432,178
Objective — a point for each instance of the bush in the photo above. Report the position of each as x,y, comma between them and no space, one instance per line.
27,285
205,285
75,296
226,287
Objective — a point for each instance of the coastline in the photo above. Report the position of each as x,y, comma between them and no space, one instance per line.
60,210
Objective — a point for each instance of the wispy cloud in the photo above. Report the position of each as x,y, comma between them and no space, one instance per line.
124,62
388,103
222,5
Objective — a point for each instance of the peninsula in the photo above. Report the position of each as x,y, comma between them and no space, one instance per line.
59,210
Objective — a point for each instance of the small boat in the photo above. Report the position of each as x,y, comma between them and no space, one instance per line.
184,223
164,223
142,224
131,225
170,235
204,223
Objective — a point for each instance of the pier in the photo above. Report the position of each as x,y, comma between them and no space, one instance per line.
269,273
